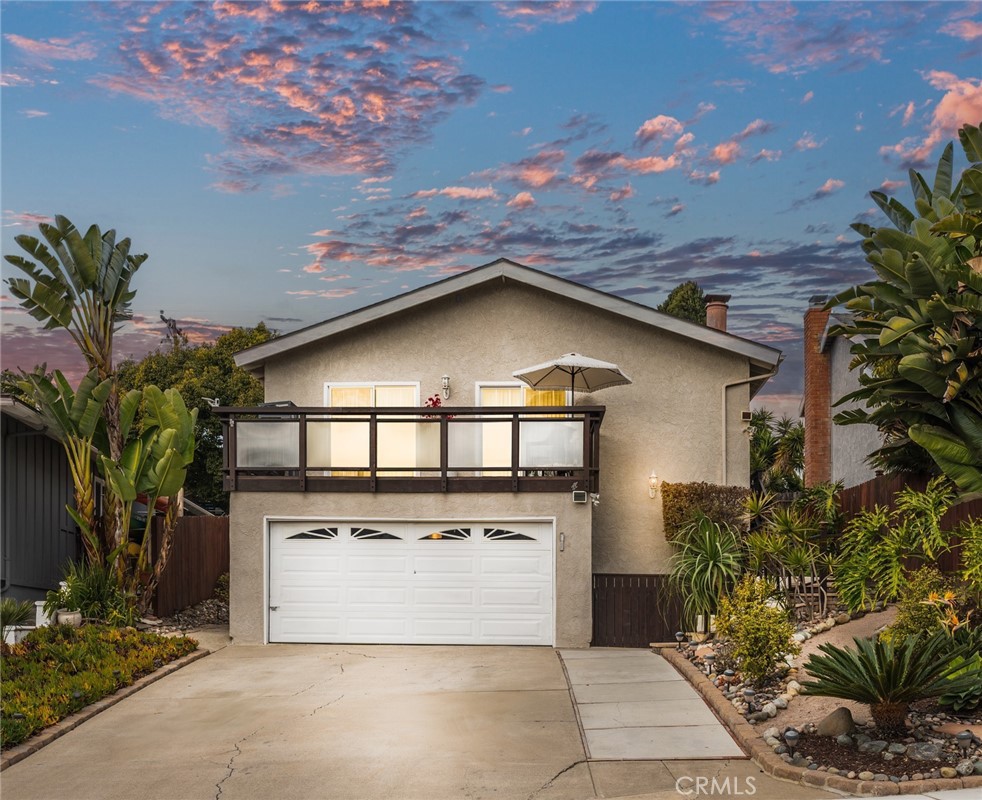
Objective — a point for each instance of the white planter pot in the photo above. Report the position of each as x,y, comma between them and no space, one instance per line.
73,618
17,633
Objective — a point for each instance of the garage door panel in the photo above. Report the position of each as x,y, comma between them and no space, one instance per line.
435,565
445,597
377,565
466,587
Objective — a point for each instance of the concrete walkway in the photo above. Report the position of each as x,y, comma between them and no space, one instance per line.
633,705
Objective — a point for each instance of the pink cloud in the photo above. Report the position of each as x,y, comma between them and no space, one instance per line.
675,210
325,293
705,178
961,103
10,79
459,193
658,129
54,49
830,186
809,95
889,187
33,113
529,14
13,219
623,193
807,142
966,29
294,99
766,155
725,153
501,88
521,200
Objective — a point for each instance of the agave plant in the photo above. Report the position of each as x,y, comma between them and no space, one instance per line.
13,614
890,677
706,566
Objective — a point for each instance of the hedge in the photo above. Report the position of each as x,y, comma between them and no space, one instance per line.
681,502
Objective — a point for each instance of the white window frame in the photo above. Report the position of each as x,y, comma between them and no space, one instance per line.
328,385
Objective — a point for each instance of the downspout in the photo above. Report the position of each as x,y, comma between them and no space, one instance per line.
726,386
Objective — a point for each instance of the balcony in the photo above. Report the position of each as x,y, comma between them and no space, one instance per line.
501,449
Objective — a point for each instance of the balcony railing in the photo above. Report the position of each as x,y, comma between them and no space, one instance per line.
500,449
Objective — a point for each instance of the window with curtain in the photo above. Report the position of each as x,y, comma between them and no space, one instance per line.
496,436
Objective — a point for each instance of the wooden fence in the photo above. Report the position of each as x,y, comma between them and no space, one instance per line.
882,491
634,610
198,556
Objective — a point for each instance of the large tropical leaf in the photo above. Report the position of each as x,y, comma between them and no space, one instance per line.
921,369
971,141
958,461
942,177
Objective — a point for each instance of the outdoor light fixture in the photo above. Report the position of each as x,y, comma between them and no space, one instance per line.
653,484
728,675
709,659
679,637
791,738
964,740
748,695
445,382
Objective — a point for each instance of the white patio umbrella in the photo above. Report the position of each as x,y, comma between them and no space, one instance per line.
574,372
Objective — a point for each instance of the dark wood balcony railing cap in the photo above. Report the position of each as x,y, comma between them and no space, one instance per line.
283,412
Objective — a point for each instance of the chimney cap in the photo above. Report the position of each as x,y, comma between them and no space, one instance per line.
718,298
818,300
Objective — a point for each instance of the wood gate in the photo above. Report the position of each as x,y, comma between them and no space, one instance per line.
634,610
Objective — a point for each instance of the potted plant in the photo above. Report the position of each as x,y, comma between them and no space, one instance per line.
13,620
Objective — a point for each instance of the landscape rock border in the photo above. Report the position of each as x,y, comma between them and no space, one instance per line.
48,735
749,739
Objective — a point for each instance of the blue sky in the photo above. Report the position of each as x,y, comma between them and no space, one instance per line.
289,162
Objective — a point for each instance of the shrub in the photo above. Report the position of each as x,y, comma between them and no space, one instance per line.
889,678
683,502
757,627
222,587
56,670
967,697
13,614
705,567
914,614
970,532
93,590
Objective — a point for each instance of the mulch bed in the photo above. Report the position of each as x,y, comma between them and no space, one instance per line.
824,750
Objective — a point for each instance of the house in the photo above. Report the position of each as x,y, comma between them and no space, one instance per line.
357,516
832,452
38,535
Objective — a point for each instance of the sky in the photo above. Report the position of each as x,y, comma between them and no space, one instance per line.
289,162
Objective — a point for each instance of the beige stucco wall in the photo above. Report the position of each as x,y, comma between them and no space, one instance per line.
249,511
668,420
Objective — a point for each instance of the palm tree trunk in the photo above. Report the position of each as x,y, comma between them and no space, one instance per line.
890,717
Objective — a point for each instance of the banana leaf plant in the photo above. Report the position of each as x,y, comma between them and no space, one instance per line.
75,417
152,467
917,327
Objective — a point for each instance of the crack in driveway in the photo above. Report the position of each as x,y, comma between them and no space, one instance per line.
230,766
555,777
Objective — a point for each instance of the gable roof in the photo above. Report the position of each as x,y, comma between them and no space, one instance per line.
763,359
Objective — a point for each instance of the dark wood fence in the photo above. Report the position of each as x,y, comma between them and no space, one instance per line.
634,610
199,555
883,490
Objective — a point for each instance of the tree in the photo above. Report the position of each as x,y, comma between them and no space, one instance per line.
141,442
199,372
918,324
777,453
686,301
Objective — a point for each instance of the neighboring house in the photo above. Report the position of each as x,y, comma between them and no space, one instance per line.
39,536
832,452
480,522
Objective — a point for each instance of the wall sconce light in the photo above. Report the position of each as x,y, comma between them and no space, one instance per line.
445,381
654,483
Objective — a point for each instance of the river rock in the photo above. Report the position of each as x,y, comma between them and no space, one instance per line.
837,723
780,702
844,740
924,751
865,775
896,748
978,767
770,709
842,619
965,767
772,731
875,746
949,772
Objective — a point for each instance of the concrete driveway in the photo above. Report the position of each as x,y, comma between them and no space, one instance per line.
350,722
316,722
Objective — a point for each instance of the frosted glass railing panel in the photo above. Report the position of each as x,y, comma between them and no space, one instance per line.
318,444
551,443
397,445
427,444
349,444
265,445
464,445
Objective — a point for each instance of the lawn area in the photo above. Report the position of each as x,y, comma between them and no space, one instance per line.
58,670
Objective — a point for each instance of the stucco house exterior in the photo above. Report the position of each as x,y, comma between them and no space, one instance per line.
358,516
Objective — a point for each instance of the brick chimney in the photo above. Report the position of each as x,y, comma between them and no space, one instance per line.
716,307
818,395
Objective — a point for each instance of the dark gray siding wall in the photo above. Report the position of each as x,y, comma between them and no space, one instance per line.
38,535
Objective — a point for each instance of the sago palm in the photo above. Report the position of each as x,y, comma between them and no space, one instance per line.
890,677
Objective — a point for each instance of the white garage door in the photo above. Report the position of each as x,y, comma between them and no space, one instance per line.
411,582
